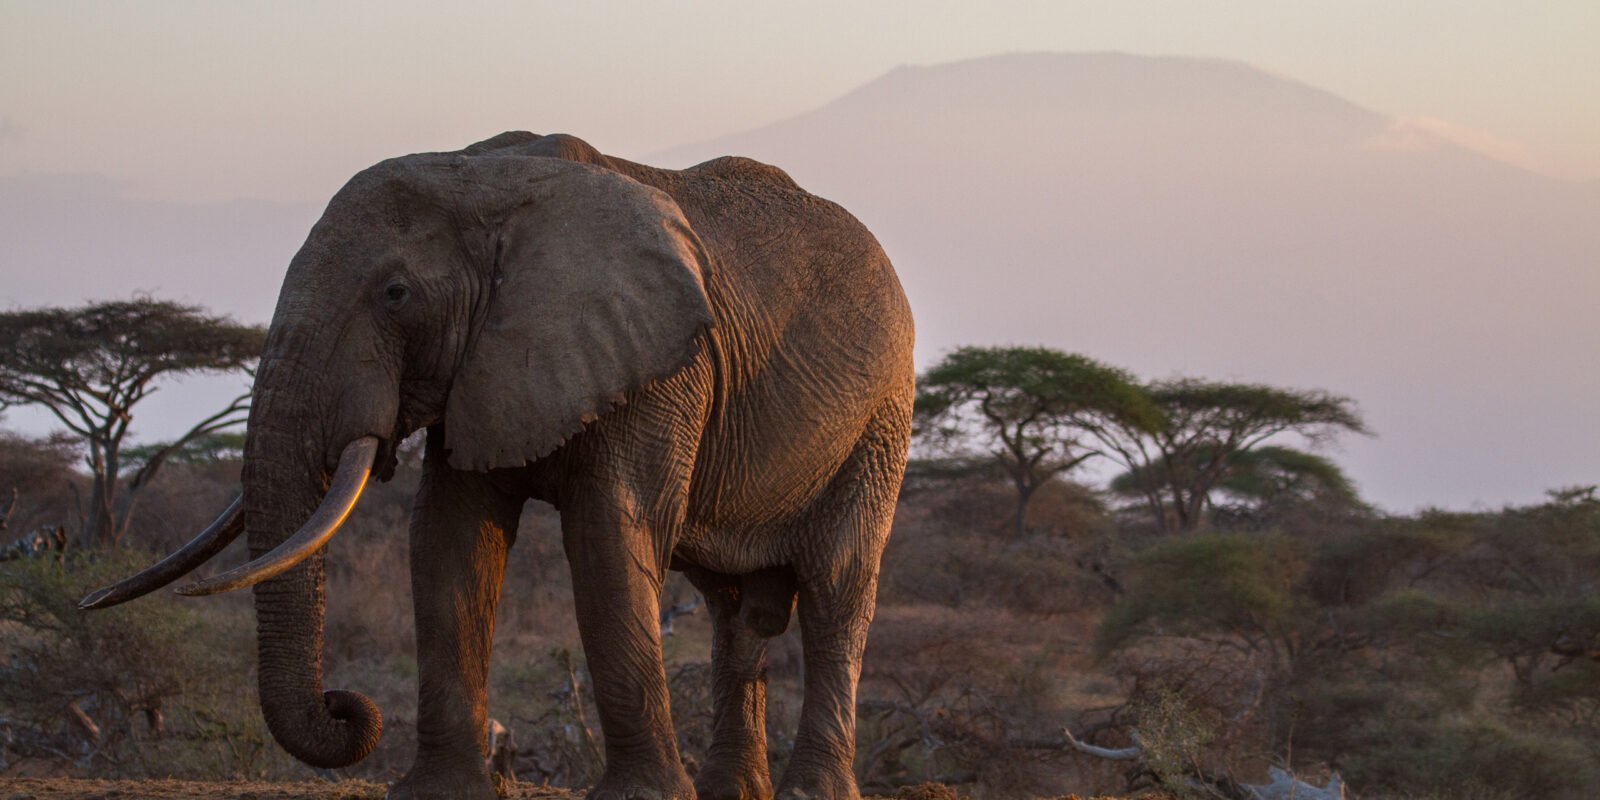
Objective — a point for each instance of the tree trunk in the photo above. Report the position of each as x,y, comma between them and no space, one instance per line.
99,528
1019,520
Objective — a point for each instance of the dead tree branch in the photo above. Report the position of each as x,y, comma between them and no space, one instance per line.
1281,785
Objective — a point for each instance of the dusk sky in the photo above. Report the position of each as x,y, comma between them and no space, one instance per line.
284,100
122,123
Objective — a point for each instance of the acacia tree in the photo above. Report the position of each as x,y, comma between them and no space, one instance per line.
1027,409
90,366
1273,483
1210,430
1263,486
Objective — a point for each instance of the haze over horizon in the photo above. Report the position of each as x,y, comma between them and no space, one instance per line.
1171,215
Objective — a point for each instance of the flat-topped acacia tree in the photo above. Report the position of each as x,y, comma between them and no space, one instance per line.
1210,432
1028,408
91,365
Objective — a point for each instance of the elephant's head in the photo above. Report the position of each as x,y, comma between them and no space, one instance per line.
511,298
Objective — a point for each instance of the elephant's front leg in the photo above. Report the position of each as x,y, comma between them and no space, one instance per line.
460,531
617,571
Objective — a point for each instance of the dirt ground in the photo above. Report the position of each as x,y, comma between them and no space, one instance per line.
76,789
63,788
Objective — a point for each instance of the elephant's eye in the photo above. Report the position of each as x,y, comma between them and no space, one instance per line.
396,292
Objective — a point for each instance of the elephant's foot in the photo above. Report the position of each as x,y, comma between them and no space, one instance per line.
443,784
738,778
624,783
811,781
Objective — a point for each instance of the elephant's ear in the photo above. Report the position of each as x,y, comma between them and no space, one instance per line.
596,291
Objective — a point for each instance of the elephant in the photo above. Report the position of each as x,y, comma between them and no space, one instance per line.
706,370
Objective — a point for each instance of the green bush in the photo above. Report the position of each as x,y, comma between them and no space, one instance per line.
1230,585
1478,758
1176,738
156,687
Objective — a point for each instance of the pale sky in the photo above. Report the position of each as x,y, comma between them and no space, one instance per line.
284,100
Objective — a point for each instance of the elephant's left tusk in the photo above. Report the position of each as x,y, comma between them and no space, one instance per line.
355,464
210,542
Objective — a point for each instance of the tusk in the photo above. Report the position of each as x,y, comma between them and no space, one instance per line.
355,463
210,542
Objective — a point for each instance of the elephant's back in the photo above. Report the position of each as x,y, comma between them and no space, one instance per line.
812,341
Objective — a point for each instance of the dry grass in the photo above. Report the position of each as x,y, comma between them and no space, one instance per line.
78,789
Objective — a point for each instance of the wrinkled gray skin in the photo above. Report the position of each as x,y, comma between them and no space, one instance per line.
706,370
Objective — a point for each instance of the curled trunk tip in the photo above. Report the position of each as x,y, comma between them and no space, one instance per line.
348,726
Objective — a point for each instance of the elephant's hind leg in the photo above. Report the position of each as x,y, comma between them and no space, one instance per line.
838,577
745,610
461,528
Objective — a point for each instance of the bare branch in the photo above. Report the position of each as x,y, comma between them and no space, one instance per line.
1282,785
226,418
1134,753
5,518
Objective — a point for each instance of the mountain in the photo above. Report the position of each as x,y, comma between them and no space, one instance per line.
67,239
1203,217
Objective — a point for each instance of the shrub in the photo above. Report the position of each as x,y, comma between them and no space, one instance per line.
153,687
1176,739
1227,585
1410,755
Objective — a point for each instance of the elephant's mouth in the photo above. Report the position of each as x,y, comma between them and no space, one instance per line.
421,405
385,460
356,464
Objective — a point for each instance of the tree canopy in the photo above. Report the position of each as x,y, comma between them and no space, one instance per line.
91,365
1208,428
1027,408
1263,486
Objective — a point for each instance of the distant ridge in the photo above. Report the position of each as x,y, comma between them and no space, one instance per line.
1024,91
1109,80
1201,216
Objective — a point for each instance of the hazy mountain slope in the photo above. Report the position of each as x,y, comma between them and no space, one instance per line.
1203,217
66,239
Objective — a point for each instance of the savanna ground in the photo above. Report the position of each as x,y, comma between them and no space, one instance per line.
84,789
1441,655
161,789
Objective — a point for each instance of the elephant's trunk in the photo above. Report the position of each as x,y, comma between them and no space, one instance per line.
284,484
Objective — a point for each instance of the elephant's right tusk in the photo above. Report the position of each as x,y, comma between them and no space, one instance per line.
210,542
355,464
